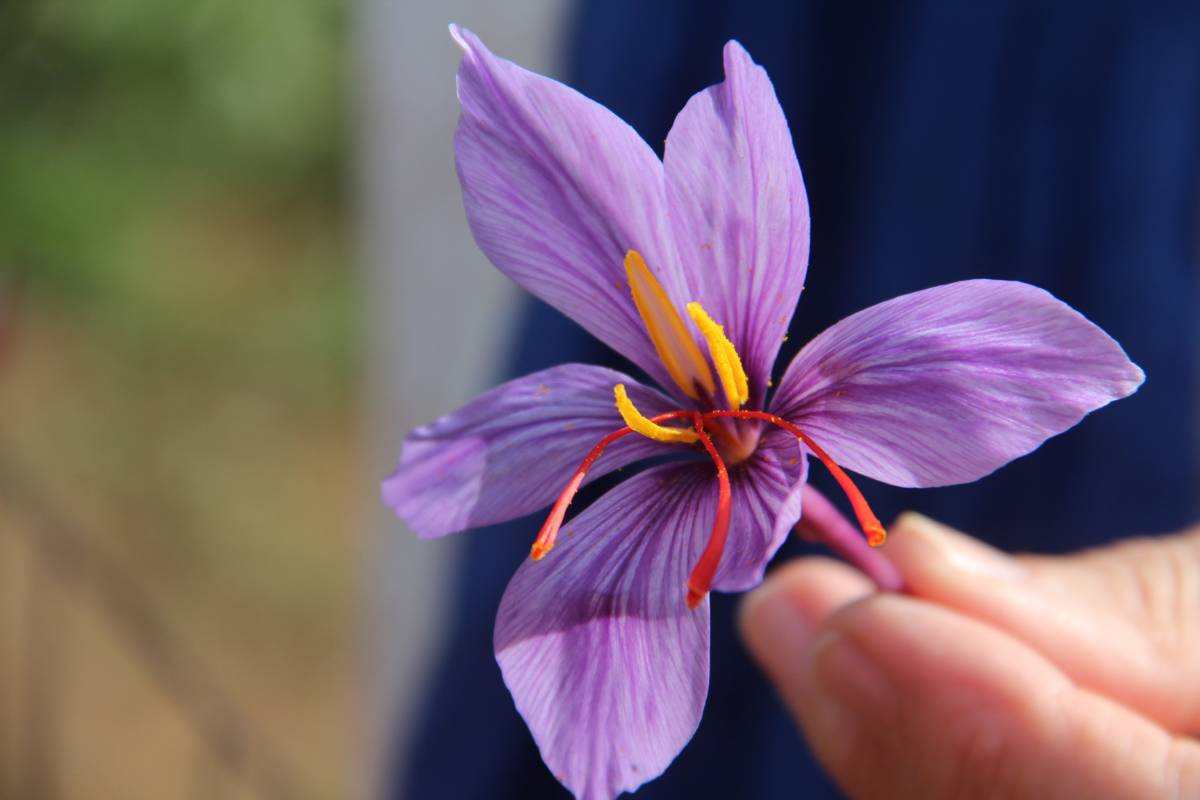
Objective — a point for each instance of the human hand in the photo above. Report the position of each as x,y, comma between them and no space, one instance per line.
996,676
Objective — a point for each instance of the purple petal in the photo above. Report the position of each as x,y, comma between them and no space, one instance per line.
512,450
945,385
766,491
739,211
605,661
556,190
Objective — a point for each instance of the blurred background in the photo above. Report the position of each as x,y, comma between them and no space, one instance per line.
181,522
188,491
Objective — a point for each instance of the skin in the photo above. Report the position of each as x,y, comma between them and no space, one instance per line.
994,676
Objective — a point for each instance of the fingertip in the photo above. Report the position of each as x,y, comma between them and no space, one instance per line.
781,620
927,552
805,591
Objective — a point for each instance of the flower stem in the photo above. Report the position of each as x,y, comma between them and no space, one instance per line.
822,522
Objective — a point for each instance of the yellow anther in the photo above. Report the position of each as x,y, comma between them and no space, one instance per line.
675,345
724,356
645,426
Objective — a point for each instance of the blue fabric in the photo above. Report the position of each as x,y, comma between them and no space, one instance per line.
1052,143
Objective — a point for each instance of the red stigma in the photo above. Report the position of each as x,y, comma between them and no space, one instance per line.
700,581
872,528
544,542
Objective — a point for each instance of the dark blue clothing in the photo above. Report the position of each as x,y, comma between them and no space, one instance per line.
1043,142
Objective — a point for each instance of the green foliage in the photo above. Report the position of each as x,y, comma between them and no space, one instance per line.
163,164
113,107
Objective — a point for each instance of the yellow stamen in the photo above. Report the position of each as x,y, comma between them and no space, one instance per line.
642,424
724,355
671,338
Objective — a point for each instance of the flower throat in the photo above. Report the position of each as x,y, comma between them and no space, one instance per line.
688,368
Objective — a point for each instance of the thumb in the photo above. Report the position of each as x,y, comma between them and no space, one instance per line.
902,698
1123,620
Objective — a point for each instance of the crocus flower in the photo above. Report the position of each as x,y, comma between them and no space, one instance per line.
691,267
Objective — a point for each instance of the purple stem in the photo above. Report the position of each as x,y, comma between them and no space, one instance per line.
822,522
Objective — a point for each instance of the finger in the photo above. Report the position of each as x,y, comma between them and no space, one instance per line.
1122,620
805,591
902,698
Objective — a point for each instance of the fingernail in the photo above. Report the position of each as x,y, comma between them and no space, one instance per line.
927,540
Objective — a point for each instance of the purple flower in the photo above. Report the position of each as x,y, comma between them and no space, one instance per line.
604,641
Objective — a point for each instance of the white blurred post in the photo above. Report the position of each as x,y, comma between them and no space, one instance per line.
437,315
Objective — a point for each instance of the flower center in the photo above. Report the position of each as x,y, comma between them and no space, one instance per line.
703,573
688,368
872,528
737,441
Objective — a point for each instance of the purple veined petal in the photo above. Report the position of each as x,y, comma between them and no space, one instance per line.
766,491
511,450
603,658
945,385
557,189
739,211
